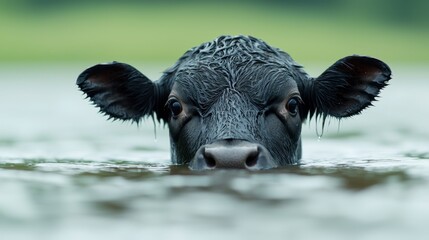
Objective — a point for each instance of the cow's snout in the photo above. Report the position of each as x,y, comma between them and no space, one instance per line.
237,154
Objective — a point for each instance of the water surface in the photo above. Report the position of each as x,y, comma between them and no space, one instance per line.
67,173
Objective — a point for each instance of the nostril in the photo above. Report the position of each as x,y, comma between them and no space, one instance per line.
252,159
209,159
211,163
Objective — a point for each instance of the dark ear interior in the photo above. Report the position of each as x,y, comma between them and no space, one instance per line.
348,86
119,90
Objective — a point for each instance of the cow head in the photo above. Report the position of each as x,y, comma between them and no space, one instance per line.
235,102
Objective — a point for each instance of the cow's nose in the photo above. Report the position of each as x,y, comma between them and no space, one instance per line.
231,154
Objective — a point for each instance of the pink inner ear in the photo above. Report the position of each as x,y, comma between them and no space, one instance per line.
366,68
370,73
97,80
107,78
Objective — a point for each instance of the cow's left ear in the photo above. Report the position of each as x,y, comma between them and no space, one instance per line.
347,87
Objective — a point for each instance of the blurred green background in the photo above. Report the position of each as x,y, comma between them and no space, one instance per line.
161,31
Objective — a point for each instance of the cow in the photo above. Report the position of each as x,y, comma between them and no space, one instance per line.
235,102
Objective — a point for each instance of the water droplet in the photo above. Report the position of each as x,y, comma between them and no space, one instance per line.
154,129
339,125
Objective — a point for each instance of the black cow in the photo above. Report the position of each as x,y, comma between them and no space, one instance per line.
235,102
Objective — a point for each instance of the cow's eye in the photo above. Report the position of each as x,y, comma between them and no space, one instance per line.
292,106
175,107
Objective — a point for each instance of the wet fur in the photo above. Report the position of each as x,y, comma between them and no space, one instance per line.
232,83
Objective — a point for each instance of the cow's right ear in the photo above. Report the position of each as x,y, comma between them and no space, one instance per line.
119,90
346,88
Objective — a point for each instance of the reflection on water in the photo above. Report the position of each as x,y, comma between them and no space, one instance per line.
351,177
66,173
108,199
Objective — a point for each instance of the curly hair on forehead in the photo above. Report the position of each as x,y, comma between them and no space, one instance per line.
235,50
